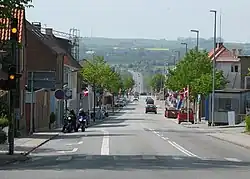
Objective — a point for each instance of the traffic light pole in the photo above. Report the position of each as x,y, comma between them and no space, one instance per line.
11,100
32,126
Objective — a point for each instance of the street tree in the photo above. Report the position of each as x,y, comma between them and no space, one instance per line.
195,70
157,82
128,82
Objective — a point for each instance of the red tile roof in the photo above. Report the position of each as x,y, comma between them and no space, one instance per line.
5,31
223,52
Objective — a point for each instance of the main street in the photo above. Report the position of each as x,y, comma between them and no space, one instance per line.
132,145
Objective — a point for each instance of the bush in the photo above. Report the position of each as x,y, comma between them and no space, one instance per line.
247,120
3,137
52,118
4,122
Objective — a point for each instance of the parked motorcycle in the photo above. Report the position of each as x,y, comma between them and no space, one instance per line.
82,123
68,126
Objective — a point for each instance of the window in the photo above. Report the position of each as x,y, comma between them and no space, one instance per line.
236,68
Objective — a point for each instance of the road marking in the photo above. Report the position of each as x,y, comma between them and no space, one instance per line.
164,138
177,158
105,144
80,142
64,158
180,148
148,157
233,159
71,151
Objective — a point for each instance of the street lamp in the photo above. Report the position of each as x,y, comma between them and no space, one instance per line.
186,46
213,87
197,38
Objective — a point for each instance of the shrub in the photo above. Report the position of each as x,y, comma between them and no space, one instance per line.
3,137
4,122
52,118
247,120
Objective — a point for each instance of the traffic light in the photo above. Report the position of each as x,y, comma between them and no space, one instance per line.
12,75
14,29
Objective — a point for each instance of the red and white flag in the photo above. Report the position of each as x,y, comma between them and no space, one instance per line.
185,92
86,92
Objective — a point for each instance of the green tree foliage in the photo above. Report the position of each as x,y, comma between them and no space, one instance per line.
98,73
195,70
157,82
8,5
128,82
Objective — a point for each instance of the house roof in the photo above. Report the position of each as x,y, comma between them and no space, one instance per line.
51,42
222,54
5,31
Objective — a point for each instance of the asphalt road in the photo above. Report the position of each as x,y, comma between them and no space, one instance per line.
133,145
138,78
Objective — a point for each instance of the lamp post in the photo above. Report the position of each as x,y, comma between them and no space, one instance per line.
213,87
197,38
186,46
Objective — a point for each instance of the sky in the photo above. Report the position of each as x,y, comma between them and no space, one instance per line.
154,19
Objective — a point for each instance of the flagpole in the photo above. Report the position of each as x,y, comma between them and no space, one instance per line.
188,103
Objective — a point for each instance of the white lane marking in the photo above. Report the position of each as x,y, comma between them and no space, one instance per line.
233,159
71,151
80,142
164,138
64,158
180,148
177,158
105,144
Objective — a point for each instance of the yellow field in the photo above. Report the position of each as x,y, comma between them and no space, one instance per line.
157,49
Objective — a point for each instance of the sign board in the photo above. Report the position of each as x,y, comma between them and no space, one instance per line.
59,94
42,79
68,93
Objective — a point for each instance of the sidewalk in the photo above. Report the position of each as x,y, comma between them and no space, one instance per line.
240,139
24,146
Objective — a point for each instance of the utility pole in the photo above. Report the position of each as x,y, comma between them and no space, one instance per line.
214,64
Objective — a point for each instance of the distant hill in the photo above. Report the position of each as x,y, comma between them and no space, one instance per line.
127,51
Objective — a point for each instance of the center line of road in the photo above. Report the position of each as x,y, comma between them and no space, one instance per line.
105,144
180,148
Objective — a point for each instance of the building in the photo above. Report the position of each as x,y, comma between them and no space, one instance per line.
46,52
7,59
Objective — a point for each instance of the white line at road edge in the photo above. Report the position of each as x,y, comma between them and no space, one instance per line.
105,143
180,148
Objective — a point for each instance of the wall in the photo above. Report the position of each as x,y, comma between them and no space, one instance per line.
41,109
234,78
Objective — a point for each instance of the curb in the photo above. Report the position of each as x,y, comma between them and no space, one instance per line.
44,142
28,152
231,142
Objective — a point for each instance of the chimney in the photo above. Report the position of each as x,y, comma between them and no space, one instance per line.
234,52
49,31
37,25
220,44
239,52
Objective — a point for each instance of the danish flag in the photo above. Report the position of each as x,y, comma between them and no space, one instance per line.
86,92
185,92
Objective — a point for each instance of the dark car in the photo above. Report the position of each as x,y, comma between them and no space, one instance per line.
149,101
151,108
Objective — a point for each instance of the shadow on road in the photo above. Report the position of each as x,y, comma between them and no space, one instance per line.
124,162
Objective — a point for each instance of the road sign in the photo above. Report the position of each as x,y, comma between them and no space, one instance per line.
68,93
59,94
42,79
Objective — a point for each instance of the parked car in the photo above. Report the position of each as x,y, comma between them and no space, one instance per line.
171,112
120,103
151,108
182,116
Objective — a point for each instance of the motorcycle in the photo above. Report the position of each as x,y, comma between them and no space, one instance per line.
82,123
68,126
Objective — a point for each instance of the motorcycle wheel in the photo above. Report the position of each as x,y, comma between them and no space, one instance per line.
83,129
